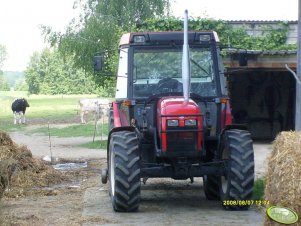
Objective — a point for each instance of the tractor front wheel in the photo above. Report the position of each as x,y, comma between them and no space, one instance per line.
124,171
237,185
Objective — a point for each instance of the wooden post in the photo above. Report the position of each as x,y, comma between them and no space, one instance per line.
298,86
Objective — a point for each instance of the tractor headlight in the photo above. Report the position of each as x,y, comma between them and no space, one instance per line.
172,122
190,122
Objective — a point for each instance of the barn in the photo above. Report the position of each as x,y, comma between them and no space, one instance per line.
261,89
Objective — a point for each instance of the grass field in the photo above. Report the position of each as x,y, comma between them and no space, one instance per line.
45,108
98,144
10,127
42,106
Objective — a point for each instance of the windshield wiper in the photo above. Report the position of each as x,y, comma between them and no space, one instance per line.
200,67
194,62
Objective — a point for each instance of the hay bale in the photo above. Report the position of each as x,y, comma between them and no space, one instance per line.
21,171
283,179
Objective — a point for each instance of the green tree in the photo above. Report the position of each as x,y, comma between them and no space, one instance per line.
3,83
98,30
51,73
21,85
128,13
34,73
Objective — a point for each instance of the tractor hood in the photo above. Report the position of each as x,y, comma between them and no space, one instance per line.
177,114
177,106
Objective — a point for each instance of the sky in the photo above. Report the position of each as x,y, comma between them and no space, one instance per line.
20,20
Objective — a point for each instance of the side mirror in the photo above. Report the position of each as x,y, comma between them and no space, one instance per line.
98,63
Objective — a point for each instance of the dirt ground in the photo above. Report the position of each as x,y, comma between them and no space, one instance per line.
85,201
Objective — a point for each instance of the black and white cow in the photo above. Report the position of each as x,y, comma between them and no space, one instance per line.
18,107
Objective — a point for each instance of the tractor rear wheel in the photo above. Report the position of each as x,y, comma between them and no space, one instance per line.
211,185
237,185
124,171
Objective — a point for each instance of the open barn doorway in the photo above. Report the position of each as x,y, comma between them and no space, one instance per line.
264,100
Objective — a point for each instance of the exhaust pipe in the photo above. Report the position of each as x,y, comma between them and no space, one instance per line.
186,61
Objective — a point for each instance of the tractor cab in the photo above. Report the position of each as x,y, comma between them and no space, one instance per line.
151,64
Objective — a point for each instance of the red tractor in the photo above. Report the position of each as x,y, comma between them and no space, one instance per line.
172,119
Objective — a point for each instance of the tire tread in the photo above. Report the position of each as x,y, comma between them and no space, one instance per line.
241,168
127,171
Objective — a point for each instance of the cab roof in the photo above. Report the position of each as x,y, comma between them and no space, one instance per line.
161,38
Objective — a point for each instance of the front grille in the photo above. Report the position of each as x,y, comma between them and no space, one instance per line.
181,142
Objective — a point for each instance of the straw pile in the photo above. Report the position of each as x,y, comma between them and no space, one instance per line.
283,185
19,171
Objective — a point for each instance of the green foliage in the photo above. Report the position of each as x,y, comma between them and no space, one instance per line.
272,38
12,127
258,190
98,144
51,73
101,24
21,85
97,36
33,74
108,89
3,83
128,13
98,30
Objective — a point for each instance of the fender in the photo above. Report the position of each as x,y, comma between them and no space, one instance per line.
116,115
117,129
226,115
120,123
228,127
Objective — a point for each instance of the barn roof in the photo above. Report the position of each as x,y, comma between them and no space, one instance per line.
260,21
260,52
259,59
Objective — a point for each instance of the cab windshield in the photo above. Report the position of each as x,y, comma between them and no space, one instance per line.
158,71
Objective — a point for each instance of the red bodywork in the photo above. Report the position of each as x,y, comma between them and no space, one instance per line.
119,116
117,122
169,106
226,116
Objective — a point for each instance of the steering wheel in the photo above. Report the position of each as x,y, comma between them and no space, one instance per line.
167,85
